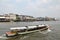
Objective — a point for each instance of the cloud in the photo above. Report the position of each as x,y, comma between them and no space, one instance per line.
8,8
46,1
56,7
42,5
31,6
35,5
18,1
5,0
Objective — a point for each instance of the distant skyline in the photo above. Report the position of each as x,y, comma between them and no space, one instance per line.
36,8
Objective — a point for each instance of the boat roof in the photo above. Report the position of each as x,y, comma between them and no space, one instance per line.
30,27
18,28
41,25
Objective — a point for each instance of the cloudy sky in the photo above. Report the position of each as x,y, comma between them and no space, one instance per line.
34,8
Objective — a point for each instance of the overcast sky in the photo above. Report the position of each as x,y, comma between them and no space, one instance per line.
36,8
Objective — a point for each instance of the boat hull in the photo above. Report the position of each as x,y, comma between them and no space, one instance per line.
27,32
42,32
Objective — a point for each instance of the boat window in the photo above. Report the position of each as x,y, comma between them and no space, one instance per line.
41,27
22,30
32,29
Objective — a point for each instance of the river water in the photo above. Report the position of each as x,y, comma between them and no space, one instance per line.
53,35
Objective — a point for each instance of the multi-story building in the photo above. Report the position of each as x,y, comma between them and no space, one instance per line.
12,17
3,19
26,18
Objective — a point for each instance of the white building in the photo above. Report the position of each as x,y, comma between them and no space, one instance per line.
11,16
25,17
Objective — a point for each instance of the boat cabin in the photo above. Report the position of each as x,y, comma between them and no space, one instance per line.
28,28
18,29
41,26
31,28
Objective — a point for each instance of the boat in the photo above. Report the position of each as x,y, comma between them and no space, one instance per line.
27,29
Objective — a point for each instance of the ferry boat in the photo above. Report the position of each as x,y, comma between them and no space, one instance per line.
27,29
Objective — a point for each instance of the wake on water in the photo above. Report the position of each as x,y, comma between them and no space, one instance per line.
23,36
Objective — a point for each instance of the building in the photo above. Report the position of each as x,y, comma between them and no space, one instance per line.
7,16
26,18
40,19
45,19
12,17
3,19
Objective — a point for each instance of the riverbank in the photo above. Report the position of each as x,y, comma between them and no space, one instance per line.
18,21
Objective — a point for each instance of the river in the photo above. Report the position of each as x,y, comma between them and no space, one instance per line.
53,35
